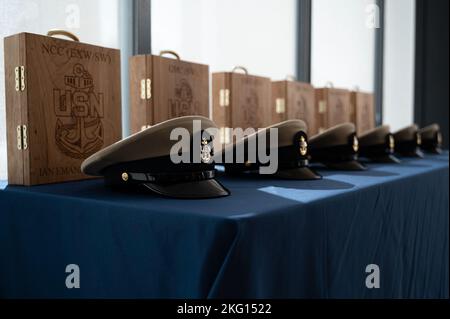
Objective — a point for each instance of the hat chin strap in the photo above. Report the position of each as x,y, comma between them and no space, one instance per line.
178,177
334,154
375,151
294,164
134,178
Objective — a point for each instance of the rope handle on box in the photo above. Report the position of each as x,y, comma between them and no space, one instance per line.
241,68
65,33
170,52
329,85
291,78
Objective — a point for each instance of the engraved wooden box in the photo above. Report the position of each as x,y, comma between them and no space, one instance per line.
164,88
362,111
62,105
294,100
240,100
332,107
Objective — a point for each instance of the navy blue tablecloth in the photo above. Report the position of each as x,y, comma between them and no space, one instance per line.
270,239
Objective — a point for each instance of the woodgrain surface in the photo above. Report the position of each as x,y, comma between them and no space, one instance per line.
332,107
141,109
320,110
13,109
250,100
300,103
363,111
221,114
279,91
338,107
178,88
181,88
71,106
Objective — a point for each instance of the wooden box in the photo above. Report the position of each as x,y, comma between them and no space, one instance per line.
294,100
362,111
332,107
164,88
62,105
240,100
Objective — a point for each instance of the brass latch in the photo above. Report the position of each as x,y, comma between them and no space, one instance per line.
19,73
224,97
280,106
146,89
22,137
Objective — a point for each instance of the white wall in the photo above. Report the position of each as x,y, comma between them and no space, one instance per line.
342,45
95,22
258,34
398,95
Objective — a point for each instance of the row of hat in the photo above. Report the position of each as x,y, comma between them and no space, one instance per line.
80,97
143,161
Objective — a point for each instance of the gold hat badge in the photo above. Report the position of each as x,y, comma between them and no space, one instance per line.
418,139
439,138
303,146
391,143
355,144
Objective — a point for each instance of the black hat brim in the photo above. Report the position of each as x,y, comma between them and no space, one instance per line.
298,173
435,150
210,188
347,166
417,153
387,159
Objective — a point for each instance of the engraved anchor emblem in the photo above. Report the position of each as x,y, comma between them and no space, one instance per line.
79,130
301,108
251,110
183,104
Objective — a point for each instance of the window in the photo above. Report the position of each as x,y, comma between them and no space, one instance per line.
342,44
257,34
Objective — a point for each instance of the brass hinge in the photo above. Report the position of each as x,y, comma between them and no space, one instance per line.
19,73
146,89
22,137
224,97
280,106
322,107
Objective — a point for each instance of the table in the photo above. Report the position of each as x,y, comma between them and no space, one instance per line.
270,239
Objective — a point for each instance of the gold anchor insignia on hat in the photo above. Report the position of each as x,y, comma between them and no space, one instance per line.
205,153
355,144
391,143
303,146
418,139
439,138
